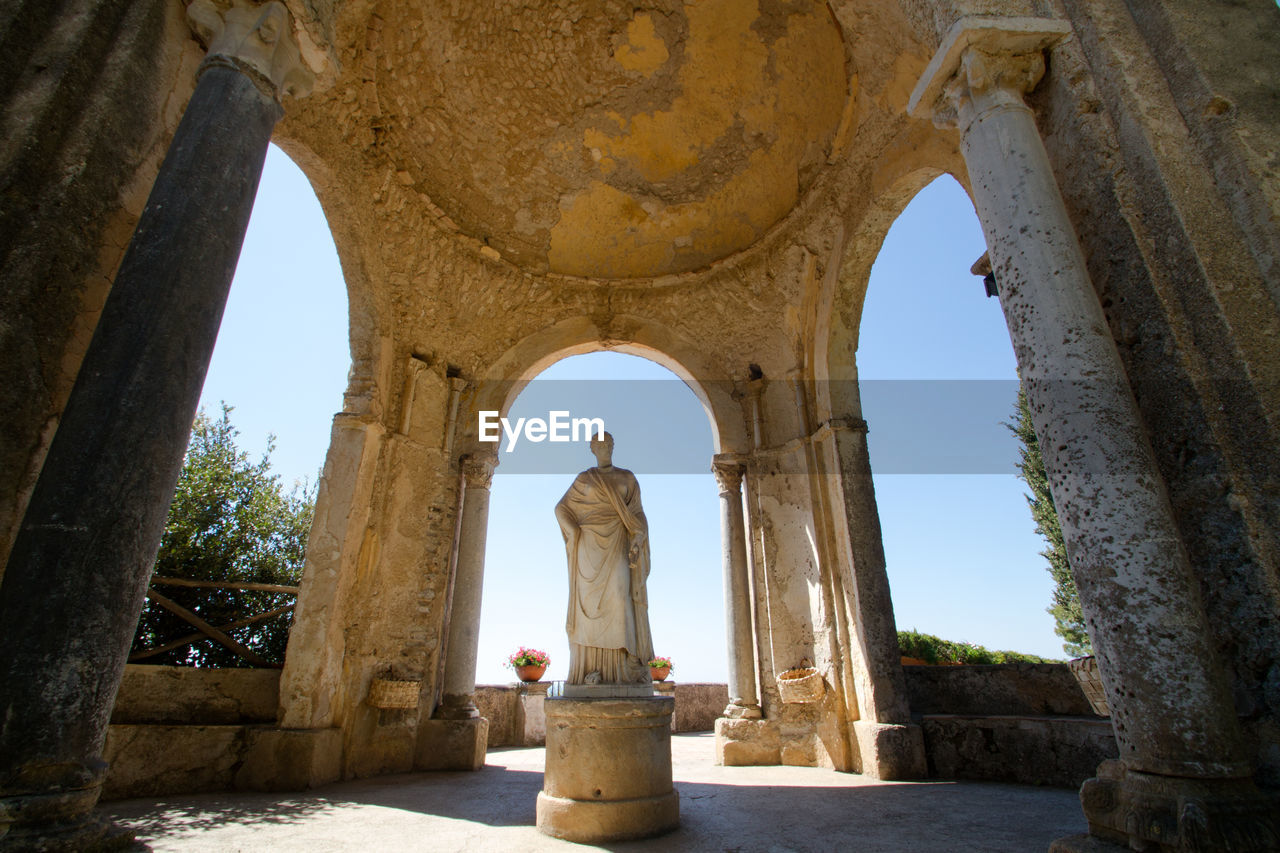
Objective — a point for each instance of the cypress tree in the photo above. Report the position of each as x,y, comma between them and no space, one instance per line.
1065,608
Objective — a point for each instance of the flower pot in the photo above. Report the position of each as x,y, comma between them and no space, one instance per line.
530,672
660,673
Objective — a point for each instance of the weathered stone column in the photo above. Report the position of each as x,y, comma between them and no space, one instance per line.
890,745
464,618
1185,780
457,737
78,570
744,702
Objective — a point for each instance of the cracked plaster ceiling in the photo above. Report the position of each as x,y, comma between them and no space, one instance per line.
607,139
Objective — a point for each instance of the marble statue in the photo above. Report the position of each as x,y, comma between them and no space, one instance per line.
607,540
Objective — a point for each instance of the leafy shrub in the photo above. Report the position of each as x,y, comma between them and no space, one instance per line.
230,521
931,649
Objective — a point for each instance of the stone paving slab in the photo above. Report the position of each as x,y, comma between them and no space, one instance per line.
729,809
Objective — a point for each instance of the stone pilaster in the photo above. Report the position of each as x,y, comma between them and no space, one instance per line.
79,567
744,701
464,618
1184,781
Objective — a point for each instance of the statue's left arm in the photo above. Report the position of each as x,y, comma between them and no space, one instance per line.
638,552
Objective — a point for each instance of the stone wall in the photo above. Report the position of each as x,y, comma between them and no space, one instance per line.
697,707
1028,689
185,695
1023,723
698,704
499,704
184,730
177,729
1057,751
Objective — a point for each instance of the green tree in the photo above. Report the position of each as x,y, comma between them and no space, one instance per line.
230,521
1065,609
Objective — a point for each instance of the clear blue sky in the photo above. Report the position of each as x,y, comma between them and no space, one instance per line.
963,559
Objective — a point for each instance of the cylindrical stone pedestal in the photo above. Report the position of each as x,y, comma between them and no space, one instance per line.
608,775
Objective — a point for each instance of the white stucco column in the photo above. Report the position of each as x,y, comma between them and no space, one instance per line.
1171,705
744,702
464,617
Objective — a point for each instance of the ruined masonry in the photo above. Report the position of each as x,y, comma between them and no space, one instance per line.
705,184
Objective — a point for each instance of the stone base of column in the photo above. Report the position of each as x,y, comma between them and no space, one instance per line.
61,821
91,833
739,710
747,742
891,751
608,774
452,744
1162,814
1086,844
290,759
457,706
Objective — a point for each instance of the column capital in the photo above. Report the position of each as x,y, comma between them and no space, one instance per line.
984,63
728,473
255,40
478,470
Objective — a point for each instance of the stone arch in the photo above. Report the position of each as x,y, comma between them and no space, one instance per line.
840,304
856,535
504,378
362,312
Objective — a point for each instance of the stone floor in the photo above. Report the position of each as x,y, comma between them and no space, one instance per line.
729,809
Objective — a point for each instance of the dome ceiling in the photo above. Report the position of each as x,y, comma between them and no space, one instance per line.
612,140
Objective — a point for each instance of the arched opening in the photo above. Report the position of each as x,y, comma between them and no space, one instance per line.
282,354
280,365
663,433
938,380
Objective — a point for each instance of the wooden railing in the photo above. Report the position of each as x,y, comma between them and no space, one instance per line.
204,629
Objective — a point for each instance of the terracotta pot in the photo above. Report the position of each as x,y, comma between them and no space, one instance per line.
530,672
660,673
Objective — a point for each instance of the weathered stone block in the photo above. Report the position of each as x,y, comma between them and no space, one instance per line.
891,751
498,703
608,775
1061,751
290,759
153,761
183,695
698,706
452,744
531,713
742,743
1019,689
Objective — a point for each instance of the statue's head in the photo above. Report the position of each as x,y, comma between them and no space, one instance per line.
602,448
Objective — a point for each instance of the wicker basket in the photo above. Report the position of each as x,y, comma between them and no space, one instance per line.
1086,672
385,693
801,685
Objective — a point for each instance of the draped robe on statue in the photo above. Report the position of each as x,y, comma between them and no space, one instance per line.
608,620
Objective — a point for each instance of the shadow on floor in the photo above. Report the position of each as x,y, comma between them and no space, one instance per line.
916,817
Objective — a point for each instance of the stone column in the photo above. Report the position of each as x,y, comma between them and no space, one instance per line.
744,702
456,738
78,571
464,617
1185,777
